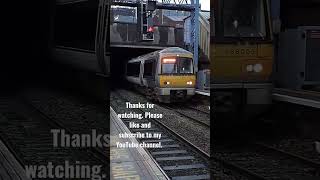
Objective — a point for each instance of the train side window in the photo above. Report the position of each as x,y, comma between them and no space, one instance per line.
75,25
148,69
133,69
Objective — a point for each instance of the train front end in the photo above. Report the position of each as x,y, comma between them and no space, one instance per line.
242,52
176,77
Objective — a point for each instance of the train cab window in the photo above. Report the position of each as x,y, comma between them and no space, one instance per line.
148,69
169,66
177,65
246,18
185,66
75,24
133,69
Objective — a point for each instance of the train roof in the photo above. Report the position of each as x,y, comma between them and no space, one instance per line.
170,50
174,50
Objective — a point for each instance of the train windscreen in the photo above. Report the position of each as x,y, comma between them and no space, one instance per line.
245,18
177,66
185,66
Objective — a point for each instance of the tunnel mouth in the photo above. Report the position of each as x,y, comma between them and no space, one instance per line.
119,57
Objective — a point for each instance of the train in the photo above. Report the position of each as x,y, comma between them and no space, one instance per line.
165,76
242,56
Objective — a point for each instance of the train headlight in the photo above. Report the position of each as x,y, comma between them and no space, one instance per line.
189,83
249,68
167,83
258,68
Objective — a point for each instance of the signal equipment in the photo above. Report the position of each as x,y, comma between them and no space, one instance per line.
148,26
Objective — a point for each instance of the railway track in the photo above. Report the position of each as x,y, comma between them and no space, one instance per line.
301,147
300,158
205,122
178,157
258,161
225,169
72,126
199,110
263,162
218,165
200,133
26,130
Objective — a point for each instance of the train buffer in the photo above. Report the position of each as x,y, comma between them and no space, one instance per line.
130,162
10,168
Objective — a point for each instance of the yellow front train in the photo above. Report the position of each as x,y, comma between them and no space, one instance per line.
242,53
238,63
166,75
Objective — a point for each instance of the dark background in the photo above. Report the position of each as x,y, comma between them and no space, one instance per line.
25,56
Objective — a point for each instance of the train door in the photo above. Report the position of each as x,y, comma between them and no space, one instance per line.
149,72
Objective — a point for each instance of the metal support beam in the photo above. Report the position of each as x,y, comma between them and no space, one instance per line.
195,32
